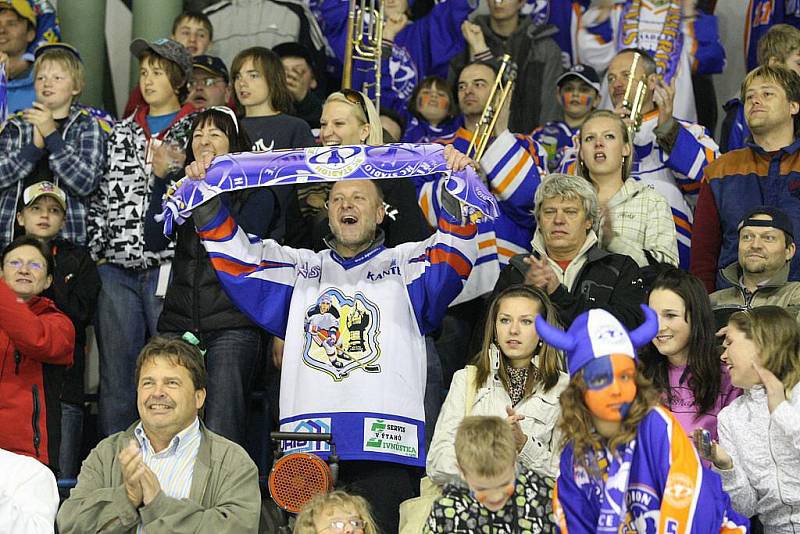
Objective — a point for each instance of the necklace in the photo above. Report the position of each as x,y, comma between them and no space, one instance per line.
670,40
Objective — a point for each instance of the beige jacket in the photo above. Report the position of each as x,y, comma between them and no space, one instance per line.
541,410
776,292
224,496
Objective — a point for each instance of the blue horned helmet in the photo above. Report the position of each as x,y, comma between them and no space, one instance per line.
596,334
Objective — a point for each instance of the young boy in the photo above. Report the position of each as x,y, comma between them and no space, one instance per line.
55,140
498,495
578,95
779,46
144,152
75,287
194,31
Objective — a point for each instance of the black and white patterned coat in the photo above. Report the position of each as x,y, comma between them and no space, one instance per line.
117,210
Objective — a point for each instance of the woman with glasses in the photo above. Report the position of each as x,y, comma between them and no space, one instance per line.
37,343
334,513
195,301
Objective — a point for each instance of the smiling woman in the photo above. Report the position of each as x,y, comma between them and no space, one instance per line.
38,340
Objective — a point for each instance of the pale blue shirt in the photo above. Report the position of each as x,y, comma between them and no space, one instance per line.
174,466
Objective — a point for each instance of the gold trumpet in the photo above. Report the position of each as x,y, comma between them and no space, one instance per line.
364,35
633,100
503,84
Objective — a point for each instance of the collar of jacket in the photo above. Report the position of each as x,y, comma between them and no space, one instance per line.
790,149
361,257
732,272
590,248
139,116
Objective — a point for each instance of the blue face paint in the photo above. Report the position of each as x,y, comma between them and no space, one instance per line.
599,373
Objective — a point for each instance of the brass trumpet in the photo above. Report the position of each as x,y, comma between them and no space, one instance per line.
503,84
633,100
364,35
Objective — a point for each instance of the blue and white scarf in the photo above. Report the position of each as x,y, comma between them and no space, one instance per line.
232,172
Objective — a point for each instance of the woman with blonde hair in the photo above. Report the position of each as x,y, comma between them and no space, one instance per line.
516,375
758,454
335,512
635,219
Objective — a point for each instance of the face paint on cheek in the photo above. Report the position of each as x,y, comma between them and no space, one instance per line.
611,387
438,102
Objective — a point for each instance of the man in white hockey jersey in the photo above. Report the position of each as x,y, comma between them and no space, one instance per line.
370,394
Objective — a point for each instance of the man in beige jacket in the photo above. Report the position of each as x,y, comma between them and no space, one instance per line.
760,276
167,472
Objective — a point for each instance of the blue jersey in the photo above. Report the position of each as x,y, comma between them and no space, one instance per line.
423,48
761,15
667,490
564,15
558,139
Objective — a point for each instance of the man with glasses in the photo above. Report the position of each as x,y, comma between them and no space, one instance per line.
208,86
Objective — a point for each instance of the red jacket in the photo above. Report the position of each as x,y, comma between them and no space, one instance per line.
37,341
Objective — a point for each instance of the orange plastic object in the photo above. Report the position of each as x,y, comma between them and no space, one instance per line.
297,477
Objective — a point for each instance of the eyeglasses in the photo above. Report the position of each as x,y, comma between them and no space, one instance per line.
229,112
355,97
338,525
205,82
18,264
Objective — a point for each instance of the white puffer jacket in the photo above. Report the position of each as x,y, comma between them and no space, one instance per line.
541,410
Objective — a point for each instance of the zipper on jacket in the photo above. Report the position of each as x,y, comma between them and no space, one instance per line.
37,434
17,361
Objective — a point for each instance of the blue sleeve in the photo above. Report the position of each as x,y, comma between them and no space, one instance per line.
235,257
693,150
332,18
436,38
437,268
739,131
574,513
710,55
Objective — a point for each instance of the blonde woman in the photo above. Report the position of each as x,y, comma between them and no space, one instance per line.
333,513
758,454
635,219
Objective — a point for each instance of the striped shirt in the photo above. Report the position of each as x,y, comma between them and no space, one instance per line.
174,466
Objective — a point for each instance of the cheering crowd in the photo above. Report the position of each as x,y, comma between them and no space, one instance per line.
615,349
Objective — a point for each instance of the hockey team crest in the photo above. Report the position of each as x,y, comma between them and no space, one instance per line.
334,161
341,335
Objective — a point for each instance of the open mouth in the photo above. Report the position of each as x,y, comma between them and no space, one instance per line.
664,338
348,219
600,156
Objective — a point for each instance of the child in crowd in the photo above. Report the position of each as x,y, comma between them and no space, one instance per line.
259,84
431,113
54,140
336,511
194,31
499,495
74,290
145,150
578,95
627,465
517,376
758,454
682,361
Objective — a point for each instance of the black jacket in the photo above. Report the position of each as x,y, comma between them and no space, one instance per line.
608,281
539,64
195,300
75,288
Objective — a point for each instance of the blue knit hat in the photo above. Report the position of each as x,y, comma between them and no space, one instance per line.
595,334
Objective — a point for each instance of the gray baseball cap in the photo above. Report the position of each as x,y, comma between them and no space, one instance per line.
168,49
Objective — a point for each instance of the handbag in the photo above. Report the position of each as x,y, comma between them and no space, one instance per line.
414,512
